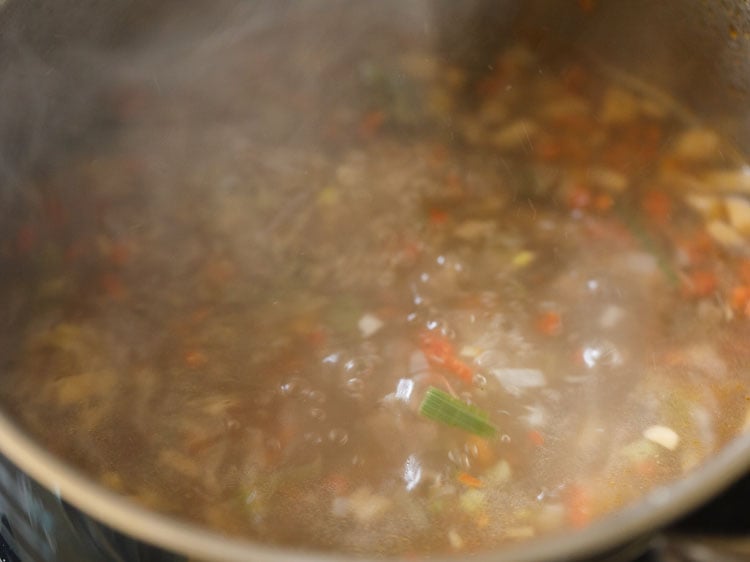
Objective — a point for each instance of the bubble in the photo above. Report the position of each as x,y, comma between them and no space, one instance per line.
480,381
355,386
602,353
459,458
358,367
314,396
273,444
317,414
505,438
292,385
338,436
472,449
313,437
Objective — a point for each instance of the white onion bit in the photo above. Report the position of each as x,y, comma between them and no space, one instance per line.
662,435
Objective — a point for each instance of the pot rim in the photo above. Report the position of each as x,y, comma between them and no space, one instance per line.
654,510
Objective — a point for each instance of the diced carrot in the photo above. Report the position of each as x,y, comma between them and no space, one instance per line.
438,216
26,238
439,154
336,483
317,337
578,506
739,300
603,202
220,271
490,85
460,369
699,248
657,205
371,123
195,359
468,480
548,148
549,323
536,437
119,253
647,468
700,283
112,285
744,271
485,454
439,352
483,520
579,197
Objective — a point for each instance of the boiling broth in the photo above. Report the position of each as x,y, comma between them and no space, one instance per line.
240,329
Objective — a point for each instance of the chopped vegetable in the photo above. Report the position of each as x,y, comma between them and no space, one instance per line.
515,381
369,324
439,352
662,435
442,407
472,500
549,323
468,480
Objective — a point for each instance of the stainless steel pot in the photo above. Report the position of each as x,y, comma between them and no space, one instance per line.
53,62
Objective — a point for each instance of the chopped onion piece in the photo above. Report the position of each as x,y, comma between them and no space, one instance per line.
469,351
662,435
607,179
455,539
618,107
515,135
611,316
736,181
738,210
725,234
369,324
697,144
707,205
515,381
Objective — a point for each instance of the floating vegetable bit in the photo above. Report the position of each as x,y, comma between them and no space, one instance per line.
369,325
442,407
662,435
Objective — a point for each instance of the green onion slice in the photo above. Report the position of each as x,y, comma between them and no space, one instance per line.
442,407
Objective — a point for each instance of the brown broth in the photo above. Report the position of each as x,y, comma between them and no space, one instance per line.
241,333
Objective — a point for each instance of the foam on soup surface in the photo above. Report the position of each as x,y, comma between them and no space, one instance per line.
446,326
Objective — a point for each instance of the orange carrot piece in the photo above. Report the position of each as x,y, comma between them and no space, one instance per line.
112,285
536,437
438,217
744,271
657,205
700,283
579,197
739,299
439,352
371,123
485,453
578,506
549,323
336,483
195,359
468,480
